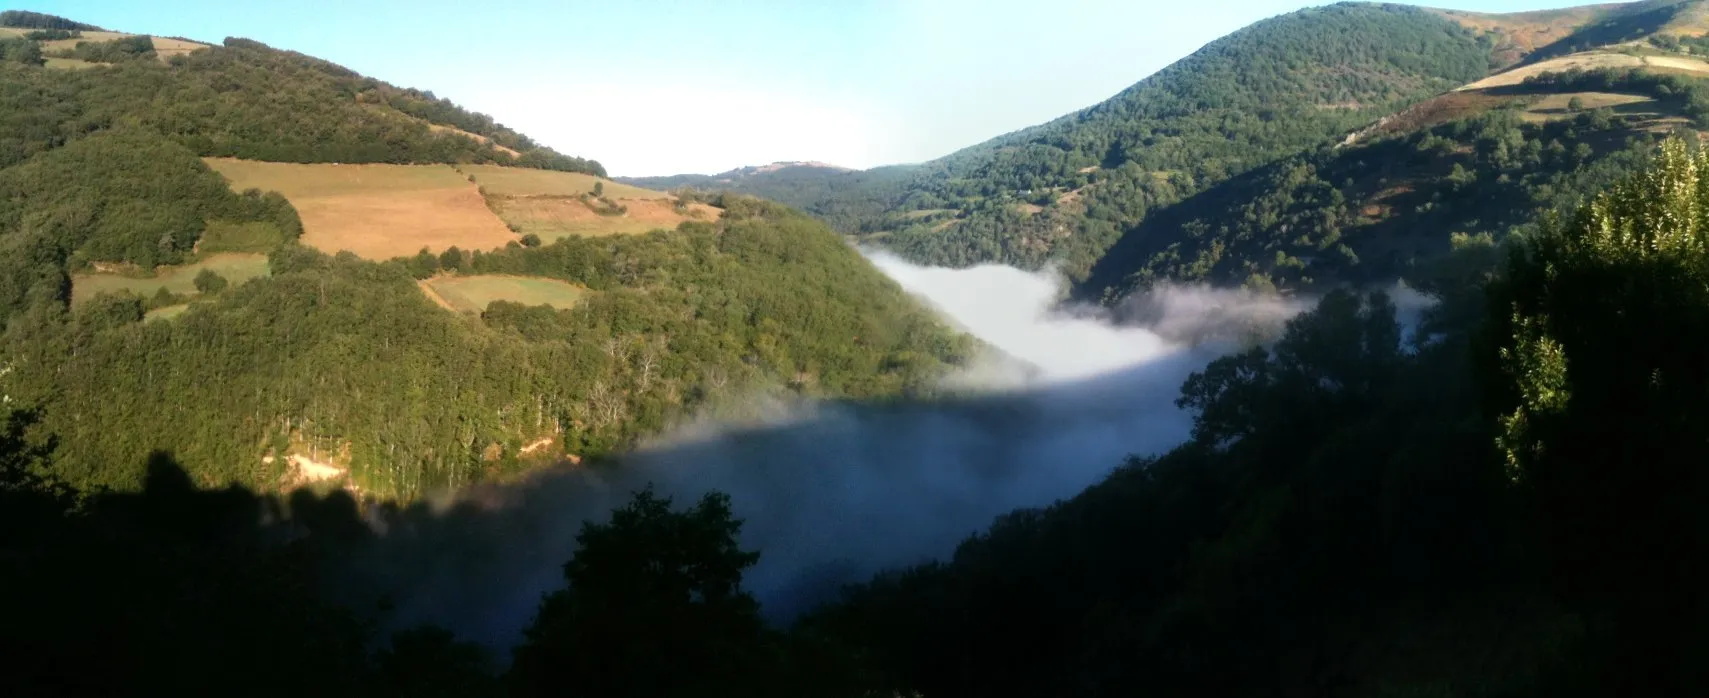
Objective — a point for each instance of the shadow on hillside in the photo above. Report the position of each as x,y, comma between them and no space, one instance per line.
1625,25
828,498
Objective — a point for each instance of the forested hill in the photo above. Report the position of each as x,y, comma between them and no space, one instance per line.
1070,187
281,272
1336,143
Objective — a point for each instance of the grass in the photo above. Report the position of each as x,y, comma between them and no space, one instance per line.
166,48
225,236
1555,107
236,268
166,313
70,64
376,211
554,218
499,180
472,294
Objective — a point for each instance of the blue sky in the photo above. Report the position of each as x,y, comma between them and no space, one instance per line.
667,86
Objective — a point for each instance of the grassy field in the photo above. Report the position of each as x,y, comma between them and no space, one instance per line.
517,181
70,64
166,313
166,48
554,218
1554,107
376,211
472,294
236,268
225,236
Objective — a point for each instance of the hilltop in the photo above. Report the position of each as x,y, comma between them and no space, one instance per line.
318,277
1256,159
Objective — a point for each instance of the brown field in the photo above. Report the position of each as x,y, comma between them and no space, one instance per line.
472,294
70,64
236,268
519,181
1437,110
558,217
1585,61
1554,107
1525,32
376,211
167,48
1591,61
62,44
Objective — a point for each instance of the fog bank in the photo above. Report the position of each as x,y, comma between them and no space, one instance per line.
838,491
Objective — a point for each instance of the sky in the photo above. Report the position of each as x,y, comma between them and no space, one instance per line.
656,87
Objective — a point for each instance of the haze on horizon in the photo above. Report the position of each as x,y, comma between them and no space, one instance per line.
658,87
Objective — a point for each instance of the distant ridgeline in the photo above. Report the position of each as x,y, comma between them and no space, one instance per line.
151,304
1318,147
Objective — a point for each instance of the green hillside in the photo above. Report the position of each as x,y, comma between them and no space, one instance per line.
1326,145
343,369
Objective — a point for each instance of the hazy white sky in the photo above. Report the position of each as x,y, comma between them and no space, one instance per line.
667,86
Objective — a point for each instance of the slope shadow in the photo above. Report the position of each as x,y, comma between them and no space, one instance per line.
828,498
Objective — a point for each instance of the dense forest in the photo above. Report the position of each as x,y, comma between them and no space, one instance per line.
1300,152
345,362
247,100
348,361
1503,504
1066,190
1378,209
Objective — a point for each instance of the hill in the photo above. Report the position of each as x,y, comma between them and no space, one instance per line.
1256,158
294,235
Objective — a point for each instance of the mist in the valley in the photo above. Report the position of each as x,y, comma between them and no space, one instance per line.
833,492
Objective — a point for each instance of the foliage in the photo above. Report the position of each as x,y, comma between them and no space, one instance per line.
37,20
340,356
241,100
209,282
118,196
1598,326
53,34
1378,209
127,48
653,607
25,51
1262,93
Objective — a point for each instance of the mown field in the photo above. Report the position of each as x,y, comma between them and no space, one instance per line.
499,180
236,268
376,211
1558,106
552,218
167,313
551,205
472,294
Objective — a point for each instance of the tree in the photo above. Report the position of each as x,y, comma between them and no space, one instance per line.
598,189
1575,104
208,282
451,259
654,607
530,240
17,50
1599,376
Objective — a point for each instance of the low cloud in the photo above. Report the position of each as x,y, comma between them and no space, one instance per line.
833,492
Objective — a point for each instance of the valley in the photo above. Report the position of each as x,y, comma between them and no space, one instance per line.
1357,353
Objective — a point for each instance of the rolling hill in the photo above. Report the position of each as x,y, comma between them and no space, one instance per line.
1259,158
363,285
